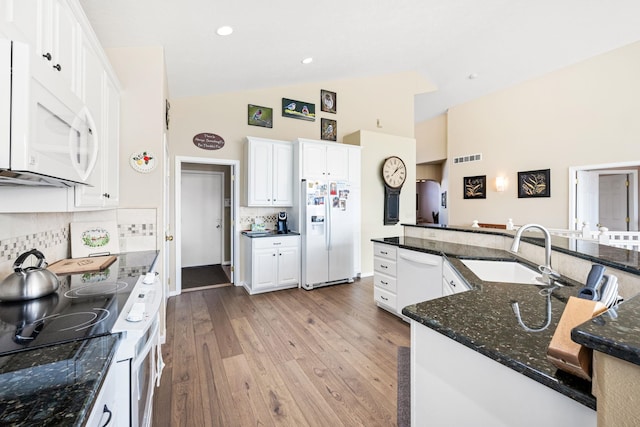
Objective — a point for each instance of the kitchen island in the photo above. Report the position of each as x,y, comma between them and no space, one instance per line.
469,350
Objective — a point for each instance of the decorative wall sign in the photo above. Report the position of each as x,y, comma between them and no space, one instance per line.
328,101
298,109
94,238
260,116
208,141
143,161
475,187
328,129
534,183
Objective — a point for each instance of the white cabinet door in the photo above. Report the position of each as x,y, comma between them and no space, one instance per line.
337,162
269,172
24,19
58,44
282,173
111,144
314,161
260,179
289,266
324,161
265,268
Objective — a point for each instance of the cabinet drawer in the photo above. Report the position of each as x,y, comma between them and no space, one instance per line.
385,298
385,282
385,266
275,242
384,251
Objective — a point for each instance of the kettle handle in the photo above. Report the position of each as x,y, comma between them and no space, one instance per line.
17,265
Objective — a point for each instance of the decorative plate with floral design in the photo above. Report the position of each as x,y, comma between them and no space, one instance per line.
143,161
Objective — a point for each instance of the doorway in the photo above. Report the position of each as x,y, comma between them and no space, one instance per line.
604,195
427,202
206,214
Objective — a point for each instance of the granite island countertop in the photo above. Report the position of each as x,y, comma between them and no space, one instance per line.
55,385
483,319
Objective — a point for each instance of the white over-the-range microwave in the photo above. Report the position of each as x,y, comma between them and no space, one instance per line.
45,139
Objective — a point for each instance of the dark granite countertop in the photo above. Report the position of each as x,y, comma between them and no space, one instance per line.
609,256
615,332
483,319
56,385
268,233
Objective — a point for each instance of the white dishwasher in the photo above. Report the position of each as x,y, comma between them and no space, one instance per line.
419,277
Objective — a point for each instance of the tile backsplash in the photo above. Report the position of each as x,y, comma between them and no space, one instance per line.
49,233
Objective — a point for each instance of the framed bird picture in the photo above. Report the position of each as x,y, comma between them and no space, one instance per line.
260,116
328,101
298,109
475,187
328,129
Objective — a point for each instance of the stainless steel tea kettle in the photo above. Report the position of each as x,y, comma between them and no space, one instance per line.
30,282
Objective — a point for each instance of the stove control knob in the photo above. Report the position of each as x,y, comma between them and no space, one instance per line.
136,314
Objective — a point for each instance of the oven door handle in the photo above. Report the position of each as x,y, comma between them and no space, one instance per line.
153,339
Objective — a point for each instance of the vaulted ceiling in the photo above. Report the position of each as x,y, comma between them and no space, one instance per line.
497,43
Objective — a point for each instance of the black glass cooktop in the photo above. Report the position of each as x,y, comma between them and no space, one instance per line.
86,305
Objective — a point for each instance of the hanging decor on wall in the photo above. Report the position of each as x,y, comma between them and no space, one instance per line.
260,116
298,109
534,183
328,101
328,129
143,161
208,141
475,187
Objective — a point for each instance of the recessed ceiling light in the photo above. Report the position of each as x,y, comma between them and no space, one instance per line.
224,30
472,76
308,60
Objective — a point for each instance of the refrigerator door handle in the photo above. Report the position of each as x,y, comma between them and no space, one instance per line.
328,223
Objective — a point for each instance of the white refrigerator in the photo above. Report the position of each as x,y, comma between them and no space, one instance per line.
328,210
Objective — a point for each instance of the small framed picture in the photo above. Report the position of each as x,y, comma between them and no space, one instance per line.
328,129
443,199
260,116
534,183
475,187
328,101
298,109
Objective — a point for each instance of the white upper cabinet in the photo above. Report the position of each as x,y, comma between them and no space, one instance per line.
57,44
269,169
323,161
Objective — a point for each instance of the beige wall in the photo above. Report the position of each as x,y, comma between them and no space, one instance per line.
431,140
585,114
385,101
375,148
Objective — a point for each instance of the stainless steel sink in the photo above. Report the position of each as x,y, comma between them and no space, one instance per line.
503,271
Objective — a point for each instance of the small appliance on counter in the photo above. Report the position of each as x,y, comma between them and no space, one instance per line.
282,223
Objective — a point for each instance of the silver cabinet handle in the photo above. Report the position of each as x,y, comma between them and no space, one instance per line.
386,299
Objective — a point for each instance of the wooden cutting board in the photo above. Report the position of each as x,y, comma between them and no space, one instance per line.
82,265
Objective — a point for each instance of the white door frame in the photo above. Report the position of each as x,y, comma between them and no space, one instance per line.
235,214
607,168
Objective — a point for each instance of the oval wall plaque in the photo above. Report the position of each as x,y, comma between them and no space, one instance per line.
208,141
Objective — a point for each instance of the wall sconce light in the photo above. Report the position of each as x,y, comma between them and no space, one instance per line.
501,183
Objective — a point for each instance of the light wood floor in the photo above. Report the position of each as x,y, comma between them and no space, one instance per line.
326,357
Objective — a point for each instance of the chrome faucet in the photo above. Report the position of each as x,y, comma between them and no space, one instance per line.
548,275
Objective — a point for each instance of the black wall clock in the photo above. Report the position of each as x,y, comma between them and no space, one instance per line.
394,174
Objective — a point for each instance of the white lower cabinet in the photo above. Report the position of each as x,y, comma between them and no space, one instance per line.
384,277
271,263
452,283
105,411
